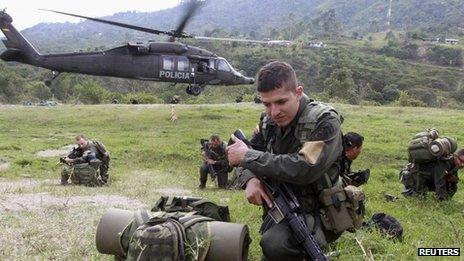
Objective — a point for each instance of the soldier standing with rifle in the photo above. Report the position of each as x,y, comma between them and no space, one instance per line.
303,150
214,161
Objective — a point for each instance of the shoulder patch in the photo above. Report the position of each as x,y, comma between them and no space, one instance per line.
312,150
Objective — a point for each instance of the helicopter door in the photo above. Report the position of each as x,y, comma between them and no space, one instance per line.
224,72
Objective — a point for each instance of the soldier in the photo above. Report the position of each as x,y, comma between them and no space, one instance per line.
303,148
90,157
440,175
352,148
214,161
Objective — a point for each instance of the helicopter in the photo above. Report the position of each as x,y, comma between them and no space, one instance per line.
168,61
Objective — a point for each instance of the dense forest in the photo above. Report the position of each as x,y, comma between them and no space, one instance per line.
366,59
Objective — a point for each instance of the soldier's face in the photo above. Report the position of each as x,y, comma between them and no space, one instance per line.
459,162
215,143
353,153
82,143
282,104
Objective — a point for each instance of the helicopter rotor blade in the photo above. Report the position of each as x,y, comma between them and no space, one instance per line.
230,39
191,9
129,26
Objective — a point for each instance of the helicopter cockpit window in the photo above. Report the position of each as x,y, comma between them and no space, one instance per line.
223,66
211,63
182,64
168,63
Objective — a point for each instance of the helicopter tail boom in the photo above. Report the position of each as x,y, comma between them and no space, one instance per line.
18,48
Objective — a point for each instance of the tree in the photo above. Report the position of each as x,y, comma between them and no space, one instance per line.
340,84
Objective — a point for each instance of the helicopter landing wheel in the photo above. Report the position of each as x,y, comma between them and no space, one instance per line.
194,90
187,90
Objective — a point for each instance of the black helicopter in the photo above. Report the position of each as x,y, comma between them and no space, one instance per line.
154,61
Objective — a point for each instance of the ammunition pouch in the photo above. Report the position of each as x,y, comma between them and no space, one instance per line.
342,208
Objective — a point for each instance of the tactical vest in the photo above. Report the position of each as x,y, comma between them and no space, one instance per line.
306,124
342,207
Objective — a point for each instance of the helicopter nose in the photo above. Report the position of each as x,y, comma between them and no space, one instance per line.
249,80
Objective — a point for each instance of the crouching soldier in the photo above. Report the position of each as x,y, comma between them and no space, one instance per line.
87,164
433,166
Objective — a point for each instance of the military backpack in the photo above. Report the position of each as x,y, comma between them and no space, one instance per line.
87,174
102,149
172,234
427,146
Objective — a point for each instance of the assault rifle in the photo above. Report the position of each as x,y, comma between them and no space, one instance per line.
287,207
357,178
75,153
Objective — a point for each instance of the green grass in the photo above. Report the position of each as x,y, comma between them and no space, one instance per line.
150,153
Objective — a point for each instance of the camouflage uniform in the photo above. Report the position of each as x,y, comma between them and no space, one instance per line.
306,154
345,166
440,176
219,169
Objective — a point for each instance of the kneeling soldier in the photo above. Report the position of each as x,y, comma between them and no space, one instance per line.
433,166
214,161
87,164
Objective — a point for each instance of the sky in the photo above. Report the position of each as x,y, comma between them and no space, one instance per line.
25,13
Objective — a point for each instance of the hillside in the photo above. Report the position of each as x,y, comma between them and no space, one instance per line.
256,19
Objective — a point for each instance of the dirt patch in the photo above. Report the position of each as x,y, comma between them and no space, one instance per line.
4,166
55,152
38,201
12,186
174,191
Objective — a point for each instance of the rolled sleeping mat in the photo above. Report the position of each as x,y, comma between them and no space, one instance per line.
454,145
440,147
429,133
110,229
229,241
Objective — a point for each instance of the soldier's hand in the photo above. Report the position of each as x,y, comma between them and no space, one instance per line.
210,161
256,130
255,193
68,160
236,152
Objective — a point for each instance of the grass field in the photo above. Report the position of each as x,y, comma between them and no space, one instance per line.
151,156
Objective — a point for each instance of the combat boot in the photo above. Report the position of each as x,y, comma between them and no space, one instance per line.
64,180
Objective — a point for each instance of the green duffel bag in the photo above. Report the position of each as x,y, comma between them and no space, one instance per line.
87,174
